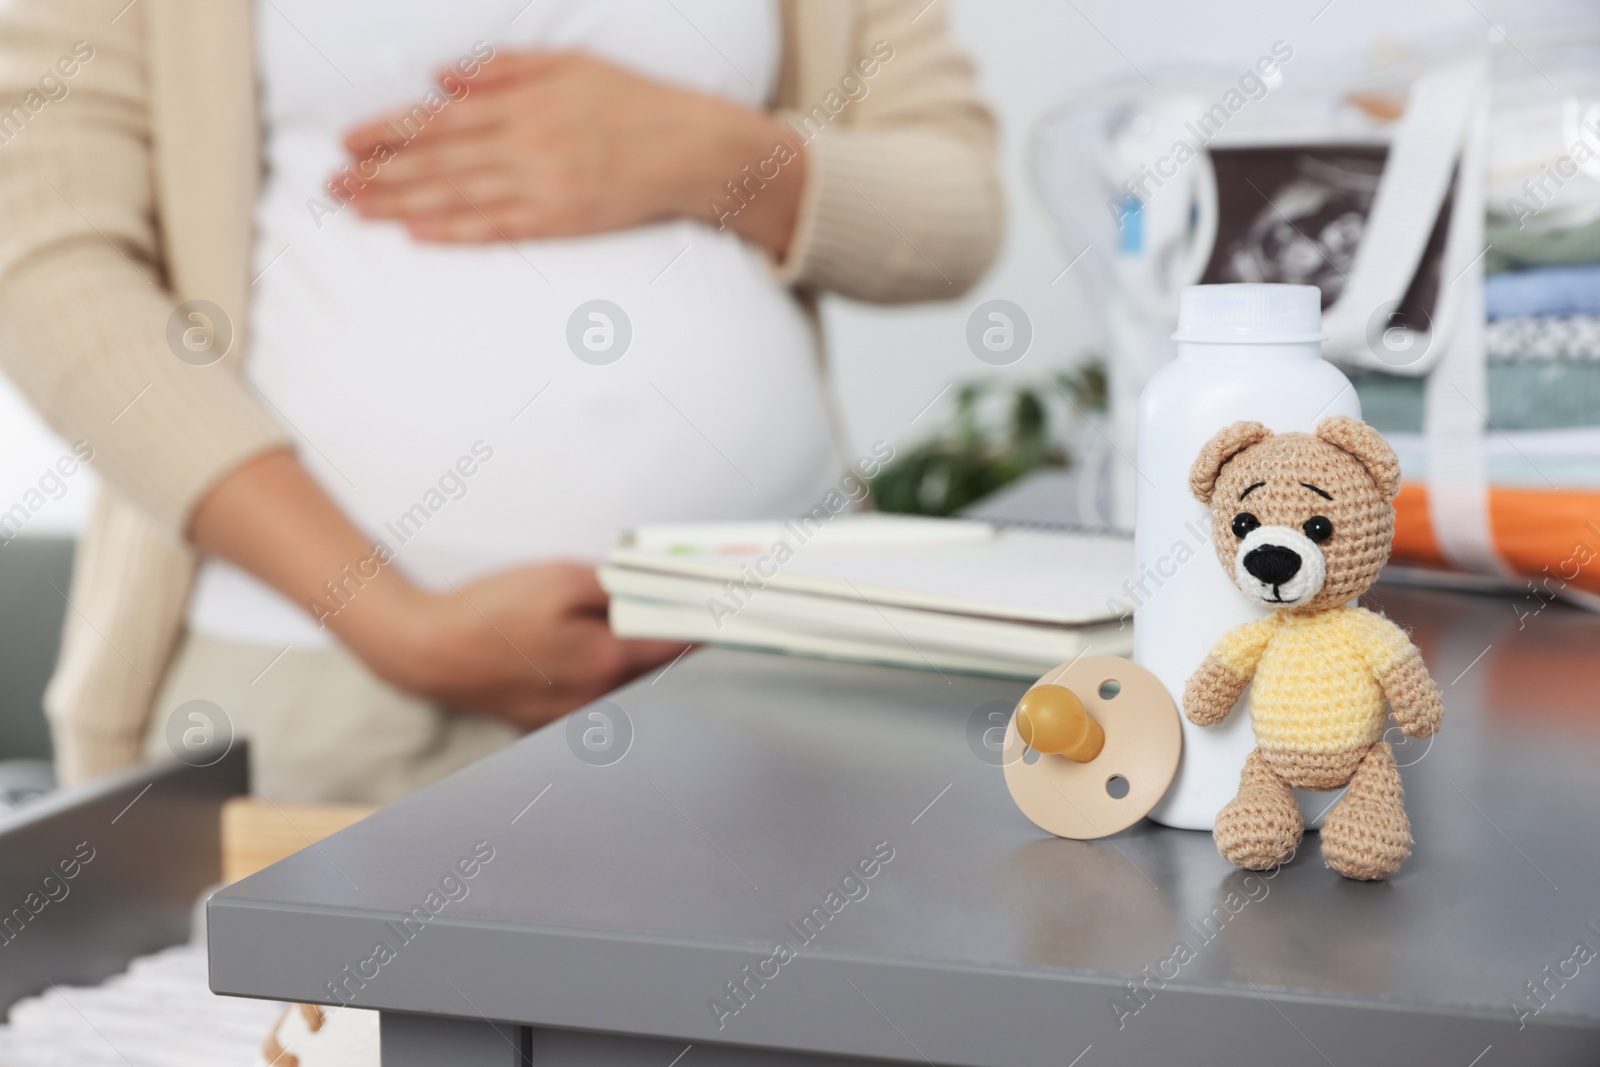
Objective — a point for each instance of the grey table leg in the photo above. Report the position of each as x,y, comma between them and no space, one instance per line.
435,1041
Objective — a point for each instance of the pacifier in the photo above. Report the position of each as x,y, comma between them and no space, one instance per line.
1092,747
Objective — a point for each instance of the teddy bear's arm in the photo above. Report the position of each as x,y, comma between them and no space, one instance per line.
1413,695
1397,663
1214,688
1211,692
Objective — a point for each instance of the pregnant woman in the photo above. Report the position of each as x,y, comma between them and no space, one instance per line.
383,318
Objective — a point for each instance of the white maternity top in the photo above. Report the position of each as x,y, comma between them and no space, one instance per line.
401,365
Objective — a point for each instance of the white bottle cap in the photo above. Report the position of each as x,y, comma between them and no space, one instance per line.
1250,314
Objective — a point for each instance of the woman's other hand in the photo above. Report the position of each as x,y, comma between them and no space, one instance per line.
527,645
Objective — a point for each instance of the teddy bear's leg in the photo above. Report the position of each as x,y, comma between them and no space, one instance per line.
1367,835
1260,828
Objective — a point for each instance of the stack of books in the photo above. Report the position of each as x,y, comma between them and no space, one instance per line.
939,594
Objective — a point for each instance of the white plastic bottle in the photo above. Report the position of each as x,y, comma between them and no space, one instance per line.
1244,352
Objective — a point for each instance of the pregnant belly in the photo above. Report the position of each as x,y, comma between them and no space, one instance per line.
696,394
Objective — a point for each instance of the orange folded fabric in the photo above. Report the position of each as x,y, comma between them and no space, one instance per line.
1549,535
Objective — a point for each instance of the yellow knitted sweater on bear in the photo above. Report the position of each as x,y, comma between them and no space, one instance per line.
1316,677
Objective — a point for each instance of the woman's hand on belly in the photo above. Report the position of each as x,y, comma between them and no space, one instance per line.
527,645
542,144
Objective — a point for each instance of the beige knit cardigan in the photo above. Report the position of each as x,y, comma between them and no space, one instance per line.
136,190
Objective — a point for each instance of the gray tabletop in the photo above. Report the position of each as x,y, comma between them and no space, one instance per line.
626,897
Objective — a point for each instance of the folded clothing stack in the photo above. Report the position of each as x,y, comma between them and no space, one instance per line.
1550,291
1545,314
1543,347
161,1012
1542,300
1545,338
1514,247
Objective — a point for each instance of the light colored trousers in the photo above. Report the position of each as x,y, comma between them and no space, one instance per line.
321,727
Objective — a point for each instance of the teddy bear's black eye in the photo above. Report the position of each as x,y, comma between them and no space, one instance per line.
1317,527
1244,522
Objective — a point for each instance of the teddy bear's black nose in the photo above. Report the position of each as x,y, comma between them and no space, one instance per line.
1272,564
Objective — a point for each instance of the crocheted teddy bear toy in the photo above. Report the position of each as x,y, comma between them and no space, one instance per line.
1302,523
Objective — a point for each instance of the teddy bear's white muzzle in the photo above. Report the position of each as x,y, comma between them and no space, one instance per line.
1280,566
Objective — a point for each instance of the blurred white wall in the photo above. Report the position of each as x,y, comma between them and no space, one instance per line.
1031,54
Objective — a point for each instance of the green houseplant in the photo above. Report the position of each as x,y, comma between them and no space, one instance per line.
974,456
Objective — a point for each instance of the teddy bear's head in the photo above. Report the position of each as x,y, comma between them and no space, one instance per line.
1301,522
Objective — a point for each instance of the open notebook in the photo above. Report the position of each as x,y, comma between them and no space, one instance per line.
937,594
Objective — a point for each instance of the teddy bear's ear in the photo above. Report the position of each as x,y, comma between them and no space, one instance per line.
1228,442
1368,446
